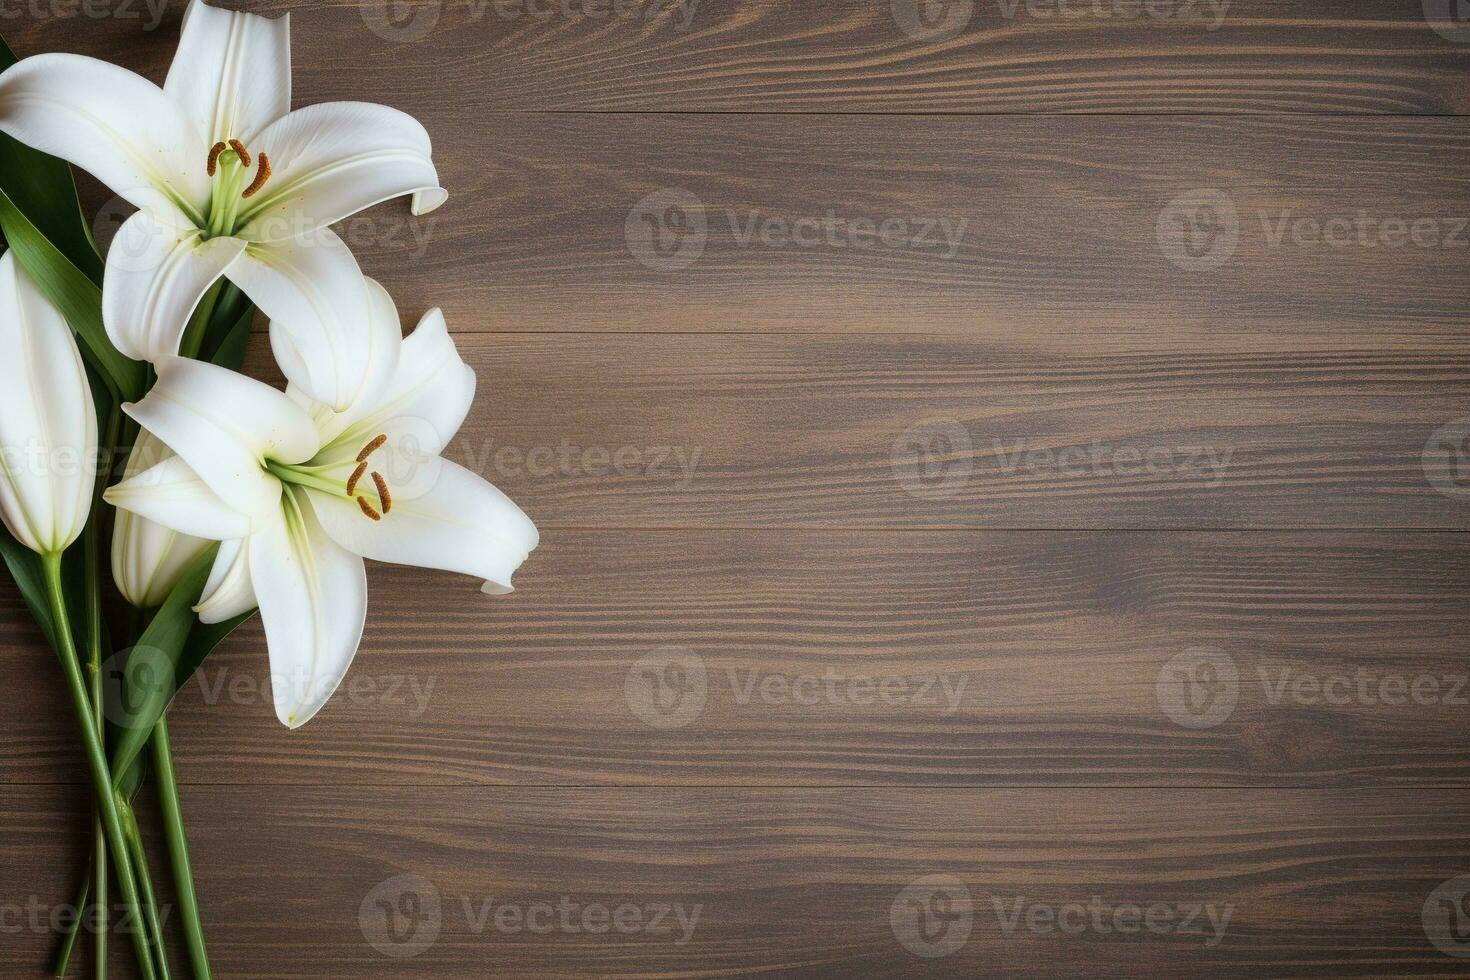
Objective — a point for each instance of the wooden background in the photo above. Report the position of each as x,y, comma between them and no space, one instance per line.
823,483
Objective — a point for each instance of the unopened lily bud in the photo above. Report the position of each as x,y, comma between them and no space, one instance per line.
148,559
48,425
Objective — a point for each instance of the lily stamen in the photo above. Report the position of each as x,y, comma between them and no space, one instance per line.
367,509
213,164
241,152
262,175
356,475
372,447
383,495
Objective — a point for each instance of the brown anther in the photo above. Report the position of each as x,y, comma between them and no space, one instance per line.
240,152
367,509
213,164
262,175
384,497
372,447
356,475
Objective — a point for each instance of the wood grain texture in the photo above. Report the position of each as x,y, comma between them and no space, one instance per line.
840,658
770,300
1040,230
994,56
887,432
795,882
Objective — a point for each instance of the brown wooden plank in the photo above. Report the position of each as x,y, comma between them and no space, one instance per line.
1070,233
886,432
991,56
798,882
1011,658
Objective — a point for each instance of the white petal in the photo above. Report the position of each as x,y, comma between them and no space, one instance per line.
148,559
228,592
117,126
425,401
155,277
224,425
313,290
313,601
173,496
48,426
232,72
384,340
332,160
461,523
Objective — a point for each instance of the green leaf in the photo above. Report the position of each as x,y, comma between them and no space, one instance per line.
42,188
148,679
77,297
225,343
162,661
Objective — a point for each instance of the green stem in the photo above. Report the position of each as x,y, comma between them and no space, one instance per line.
178,850
96,757
150,902
92,543
63,958
199,323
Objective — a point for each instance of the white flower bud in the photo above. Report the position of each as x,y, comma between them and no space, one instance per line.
48,425
148,559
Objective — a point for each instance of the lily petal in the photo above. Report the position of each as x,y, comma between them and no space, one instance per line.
313,601
461,523
147,557
228,592
232,72
224,424
117,126
384,340
333,160
171,495
312,291
155,277
426,399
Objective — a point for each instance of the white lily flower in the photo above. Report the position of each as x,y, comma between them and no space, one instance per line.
230,183
48,425
299,495
148,559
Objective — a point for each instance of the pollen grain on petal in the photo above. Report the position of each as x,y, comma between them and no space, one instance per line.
356,475
383,495
367,509
262,174
241,152
373,446
213,164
